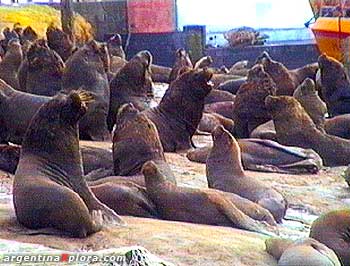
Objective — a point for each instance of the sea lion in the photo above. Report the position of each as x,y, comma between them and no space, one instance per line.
182,59
211,120
265,131
28,34
338,126
115,46
219,96
16,110
332,229
239,68
203,206
60,42
294,127
87,69
232,86
179,112
225,172
49,190
125,198
11,62
41,71
219,79
269,156
135,141
307,95
133,83
203,62
304,252
224,109
286,80
335,85
249,109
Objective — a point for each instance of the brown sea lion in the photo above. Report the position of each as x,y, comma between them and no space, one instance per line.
28,34
286,80
338,126
265,131
294,127
304,252
332,229
115,46
11,62
87,68
60,42
178,114
49,190
307,95
125,198
225,172
219,96
16,110
182,59
232,86
41,71
210,121
249,109
239,68
219,79
203,206
203,62
135,141
269,156
133,83
335,85
224,109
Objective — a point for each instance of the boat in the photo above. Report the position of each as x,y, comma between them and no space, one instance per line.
332,27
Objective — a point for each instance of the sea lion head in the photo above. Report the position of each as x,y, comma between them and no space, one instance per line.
221,137
308,87
278,104
114,45
97,53
29,34
182,58
152,174
59,41
126,113
197,82
258,75
41,57
14,45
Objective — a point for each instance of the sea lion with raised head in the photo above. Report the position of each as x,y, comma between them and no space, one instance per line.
59,41
225,172
49,190
41,71
333,230
87,68
249,109
133,83
115,46
335,85
203,206
286,80
182,59
179,112
304,252
294,127
11,62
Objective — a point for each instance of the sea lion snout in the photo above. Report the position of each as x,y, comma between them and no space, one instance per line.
149,170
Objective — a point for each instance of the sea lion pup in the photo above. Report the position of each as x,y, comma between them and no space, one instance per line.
179,112
286,80
115,46
49,190
338,126
225,172
133,83
332,229
11,62
60,42
87,69
304,252
294,127
135,141
182,59
249,109
308,97
42,70
335,85
203,206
